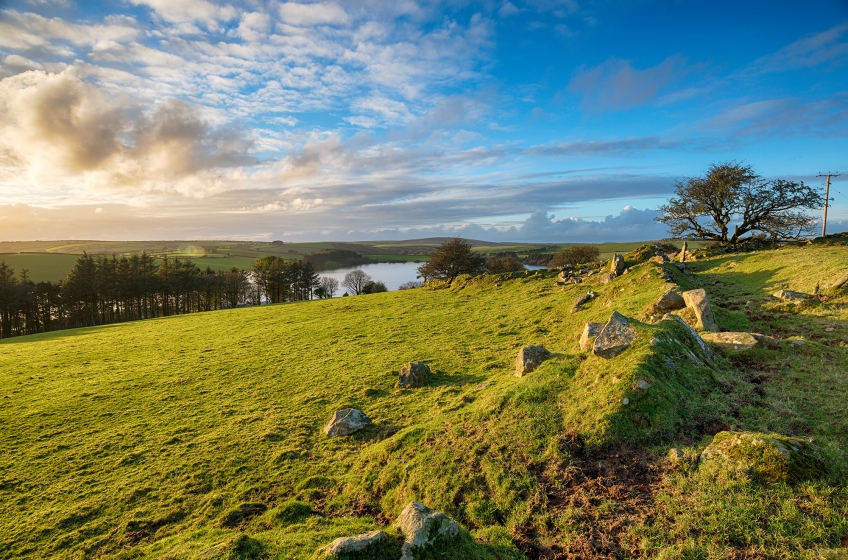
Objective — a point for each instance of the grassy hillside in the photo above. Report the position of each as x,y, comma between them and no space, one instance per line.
200,435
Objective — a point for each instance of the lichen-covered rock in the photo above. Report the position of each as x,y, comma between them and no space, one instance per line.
731,341
765,341
529,358
697,301
421,526
768,457
585,298
346,545
617,264
414,374
696,338
346,421
789,295
589,334
606,277
669,301
614,338
660,260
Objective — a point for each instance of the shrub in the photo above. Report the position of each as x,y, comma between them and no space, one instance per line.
507,263
578,254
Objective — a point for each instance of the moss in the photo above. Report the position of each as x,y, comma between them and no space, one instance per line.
769,458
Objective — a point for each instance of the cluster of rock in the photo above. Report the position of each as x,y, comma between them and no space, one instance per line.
348,421
419,525
790,295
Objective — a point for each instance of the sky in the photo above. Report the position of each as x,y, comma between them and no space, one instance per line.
508,120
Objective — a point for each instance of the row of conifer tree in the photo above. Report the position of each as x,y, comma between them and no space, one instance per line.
108,289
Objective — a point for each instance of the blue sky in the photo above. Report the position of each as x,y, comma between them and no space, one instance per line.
543,120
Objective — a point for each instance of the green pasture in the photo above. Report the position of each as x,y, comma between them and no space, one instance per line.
41,267
199,436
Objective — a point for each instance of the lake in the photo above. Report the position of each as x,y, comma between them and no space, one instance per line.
390,274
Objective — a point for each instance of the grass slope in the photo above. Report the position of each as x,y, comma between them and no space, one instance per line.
201,435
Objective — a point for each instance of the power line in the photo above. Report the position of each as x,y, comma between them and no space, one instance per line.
826,198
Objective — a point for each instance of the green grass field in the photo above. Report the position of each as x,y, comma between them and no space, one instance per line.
199,436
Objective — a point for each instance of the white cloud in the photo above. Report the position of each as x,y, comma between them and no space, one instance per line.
181,11
322,13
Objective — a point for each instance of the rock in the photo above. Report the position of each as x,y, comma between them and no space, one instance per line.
606,277
731,341
765,341
590,332
698,302
798,342
346,421
769,457
683,252
642,384
669,301
669,363
841,282
529,358
625,401
581,300
789,295
655,341
614,338
657,260
675,455
617,264
705,350
346,545
414,374
421,526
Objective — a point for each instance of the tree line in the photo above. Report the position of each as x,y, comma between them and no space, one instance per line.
104,289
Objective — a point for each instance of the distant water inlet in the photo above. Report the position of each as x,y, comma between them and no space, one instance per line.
393,275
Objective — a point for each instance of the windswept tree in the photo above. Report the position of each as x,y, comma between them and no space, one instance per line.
731,202
450,259
355,281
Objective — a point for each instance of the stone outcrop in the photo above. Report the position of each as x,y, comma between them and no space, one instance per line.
529,358
789,295
737,341
346,421
414,374
702,346
585,298
617,264
345,545
615,337
768,457
731,341
606,277
590,333
660,260
697,301
669,301
421,526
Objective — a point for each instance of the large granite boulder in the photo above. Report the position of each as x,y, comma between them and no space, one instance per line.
669,301
343,546
421,526
529,358
414,374
589,334
615,337
697,301
768,457
789,295
346,421
693,334
617,264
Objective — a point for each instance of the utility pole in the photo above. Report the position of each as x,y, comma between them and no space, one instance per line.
826,198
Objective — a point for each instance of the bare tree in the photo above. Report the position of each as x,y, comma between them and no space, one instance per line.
329,285
355,281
